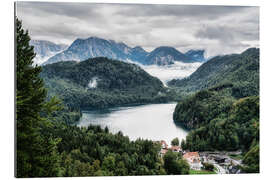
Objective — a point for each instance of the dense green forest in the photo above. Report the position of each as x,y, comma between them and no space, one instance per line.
238,128
48,146
241,70
223,113
102,82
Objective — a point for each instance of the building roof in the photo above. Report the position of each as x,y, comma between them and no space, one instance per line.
191,154
163,143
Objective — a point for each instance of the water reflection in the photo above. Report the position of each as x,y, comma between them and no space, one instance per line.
152,121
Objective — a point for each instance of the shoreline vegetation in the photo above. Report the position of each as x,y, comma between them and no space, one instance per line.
51,98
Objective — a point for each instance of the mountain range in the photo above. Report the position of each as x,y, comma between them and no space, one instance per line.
45,49
82,49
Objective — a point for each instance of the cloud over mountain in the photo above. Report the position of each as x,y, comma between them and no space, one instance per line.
217,29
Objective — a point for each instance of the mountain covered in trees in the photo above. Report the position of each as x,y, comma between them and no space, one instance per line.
102,82
82,49
45,49
242,70
223,113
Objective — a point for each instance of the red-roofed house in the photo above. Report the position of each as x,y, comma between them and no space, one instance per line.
193,160
164,145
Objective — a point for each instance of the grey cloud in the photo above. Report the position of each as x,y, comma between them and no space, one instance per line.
202,11
66,9
228,34
182,26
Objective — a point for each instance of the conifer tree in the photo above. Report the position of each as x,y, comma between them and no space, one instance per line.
36,154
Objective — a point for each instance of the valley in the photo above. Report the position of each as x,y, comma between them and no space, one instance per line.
124,89
112,93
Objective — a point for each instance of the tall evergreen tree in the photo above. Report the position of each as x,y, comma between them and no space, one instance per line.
36,154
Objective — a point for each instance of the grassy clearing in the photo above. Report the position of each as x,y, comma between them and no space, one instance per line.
200,172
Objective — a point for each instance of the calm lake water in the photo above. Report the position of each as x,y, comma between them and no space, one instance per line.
154,121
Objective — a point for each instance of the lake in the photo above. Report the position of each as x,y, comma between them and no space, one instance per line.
152,121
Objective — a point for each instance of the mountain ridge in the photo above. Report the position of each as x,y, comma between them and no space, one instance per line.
91,47
235,68
45,49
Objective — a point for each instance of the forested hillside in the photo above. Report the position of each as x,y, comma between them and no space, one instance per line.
101,82
224,112
241,70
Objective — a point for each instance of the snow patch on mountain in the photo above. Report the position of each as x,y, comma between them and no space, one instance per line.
45,50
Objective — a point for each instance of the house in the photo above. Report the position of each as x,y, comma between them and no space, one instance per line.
193,160
164,148
164,145
163,152
176,149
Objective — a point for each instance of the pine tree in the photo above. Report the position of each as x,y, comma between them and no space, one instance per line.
36,154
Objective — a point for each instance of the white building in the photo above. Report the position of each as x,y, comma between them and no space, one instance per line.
193,160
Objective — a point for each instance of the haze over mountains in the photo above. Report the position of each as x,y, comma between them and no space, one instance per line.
82,49
45,49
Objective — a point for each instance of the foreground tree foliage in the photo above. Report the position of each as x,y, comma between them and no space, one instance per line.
94,151
175,142
174,164
36,154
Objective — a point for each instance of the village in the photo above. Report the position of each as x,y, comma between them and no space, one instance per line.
222,162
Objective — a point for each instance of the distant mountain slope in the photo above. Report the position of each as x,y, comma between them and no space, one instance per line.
196,55
165,55
82,49
45,49
240,69
101,82
138,54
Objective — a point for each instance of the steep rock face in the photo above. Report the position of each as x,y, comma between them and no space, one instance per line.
165,55
138,54
196,55
82,49
45,49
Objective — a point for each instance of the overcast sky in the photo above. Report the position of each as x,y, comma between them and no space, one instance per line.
217,29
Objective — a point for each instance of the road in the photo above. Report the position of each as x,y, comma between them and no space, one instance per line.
220,170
